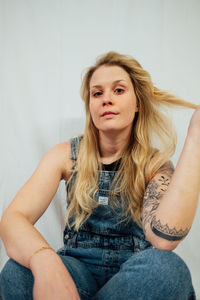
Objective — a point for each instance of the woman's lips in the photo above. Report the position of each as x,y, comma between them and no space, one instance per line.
106,113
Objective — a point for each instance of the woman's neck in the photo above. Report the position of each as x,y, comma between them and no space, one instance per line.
112,146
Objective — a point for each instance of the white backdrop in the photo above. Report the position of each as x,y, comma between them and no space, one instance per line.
44,47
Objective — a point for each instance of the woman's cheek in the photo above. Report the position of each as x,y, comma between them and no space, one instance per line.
94,117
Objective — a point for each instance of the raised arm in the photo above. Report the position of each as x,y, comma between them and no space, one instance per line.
171,197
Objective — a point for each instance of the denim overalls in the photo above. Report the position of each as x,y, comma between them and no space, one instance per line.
103,243
108,259
103,229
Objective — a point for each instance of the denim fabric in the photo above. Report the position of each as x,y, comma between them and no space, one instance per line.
151,274
109,259
105,220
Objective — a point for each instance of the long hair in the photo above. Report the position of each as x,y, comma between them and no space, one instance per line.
152,143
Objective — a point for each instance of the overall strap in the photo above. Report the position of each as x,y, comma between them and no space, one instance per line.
74,142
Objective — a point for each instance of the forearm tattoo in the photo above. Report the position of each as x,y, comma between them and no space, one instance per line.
167,233
153,194
151,202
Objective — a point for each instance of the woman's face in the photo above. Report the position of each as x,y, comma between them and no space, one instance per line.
113,101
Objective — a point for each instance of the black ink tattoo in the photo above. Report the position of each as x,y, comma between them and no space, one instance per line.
167,233
167,169
150,202
154,193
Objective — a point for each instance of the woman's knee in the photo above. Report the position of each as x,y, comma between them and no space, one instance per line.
16,281
171,271
162,271
169,265
159,262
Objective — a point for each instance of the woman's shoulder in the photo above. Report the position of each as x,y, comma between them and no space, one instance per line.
60,154
66,154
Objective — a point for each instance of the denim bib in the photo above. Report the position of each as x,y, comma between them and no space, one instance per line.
104,228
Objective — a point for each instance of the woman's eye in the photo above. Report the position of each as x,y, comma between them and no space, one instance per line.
119,91
97,94
116,91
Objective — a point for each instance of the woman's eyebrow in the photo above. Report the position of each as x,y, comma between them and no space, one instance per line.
113,83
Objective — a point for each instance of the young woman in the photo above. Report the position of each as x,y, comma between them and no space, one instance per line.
128,208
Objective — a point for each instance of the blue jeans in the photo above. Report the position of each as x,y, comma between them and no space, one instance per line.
151,274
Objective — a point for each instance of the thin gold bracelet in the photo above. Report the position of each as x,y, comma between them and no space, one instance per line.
40,249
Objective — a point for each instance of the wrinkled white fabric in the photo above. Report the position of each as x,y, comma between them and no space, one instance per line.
44,48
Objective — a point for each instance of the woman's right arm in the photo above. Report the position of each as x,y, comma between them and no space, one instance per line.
22,239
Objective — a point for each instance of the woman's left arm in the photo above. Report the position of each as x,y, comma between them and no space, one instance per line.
171,198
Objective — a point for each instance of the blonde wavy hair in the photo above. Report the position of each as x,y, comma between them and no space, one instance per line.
152,143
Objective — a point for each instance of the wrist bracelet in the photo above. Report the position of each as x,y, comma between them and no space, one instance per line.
40,249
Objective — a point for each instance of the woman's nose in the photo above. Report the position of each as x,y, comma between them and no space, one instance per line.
107,100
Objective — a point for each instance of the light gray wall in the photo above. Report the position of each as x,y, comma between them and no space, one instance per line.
46,44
